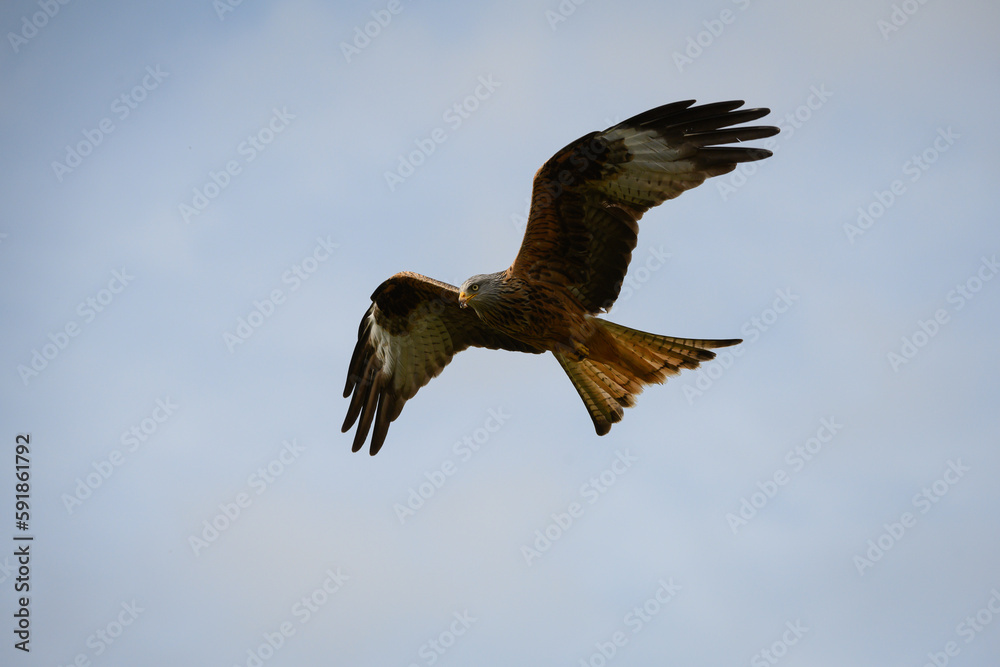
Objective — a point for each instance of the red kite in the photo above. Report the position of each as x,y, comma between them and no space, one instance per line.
581,230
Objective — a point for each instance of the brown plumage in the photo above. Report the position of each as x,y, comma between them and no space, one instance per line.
585,205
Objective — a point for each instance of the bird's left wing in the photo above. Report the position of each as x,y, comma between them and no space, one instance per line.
587,199
409,334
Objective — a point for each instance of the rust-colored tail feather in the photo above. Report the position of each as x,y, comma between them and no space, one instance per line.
622,361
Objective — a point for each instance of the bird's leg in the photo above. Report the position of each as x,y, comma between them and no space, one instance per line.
582,332
572,349
579,351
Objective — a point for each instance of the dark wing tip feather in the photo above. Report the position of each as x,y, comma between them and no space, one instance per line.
656,114
382,420
703,125
353,410
728,342
684,113
714,122
712,155
731,135
354,369
367,395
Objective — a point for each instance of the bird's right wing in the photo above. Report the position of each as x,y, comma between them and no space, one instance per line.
409,334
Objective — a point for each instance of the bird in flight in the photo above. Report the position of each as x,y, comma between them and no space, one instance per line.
582,227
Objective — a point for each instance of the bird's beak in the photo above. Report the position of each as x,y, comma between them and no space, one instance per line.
463,299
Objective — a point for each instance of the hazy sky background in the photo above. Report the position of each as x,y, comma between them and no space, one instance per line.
162,539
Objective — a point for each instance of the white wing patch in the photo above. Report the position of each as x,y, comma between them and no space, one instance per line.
412,359
656,170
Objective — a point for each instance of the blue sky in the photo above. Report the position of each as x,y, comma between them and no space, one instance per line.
197,208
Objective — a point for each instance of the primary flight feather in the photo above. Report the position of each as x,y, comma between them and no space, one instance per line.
586,202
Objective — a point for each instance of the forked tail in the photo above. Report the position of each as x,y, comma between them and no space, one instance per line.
621,361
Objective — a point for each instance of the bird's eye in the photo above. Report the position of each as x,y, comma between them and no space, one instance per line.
474,288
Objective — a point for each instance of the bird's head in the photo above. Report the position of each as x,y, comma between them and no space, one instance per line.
479,291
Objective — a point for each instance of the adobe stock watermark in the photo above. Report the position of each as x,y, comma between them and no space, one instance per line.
132,439
967,629
463,450
698,43
899,16
779,648
435,647
635,620
104,637
248,149
796,458
519,220
913,169
302,611
31,25
923,501
258,481
87,311
223,7
640,272
122,107
751,332
927,329
787,125
364,35
563,11
264,309
454,116
7,568
592,490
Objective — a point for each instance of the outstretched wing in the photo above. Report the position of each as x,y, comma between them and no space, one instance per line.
409,334
587,199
